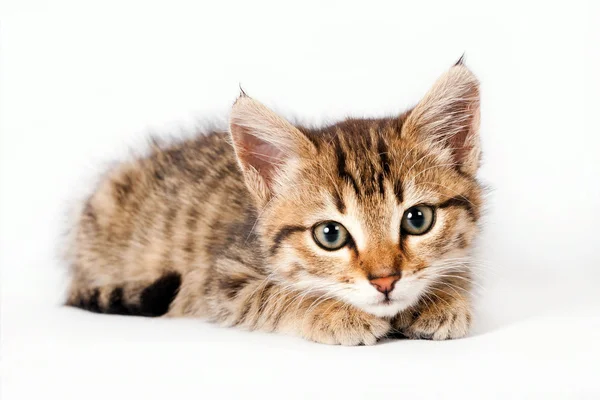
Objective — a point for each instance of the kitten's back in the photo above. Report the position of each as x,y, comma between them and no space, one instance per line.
150,221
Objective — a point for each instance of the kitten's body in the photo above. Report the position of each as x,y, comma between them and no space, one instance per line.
187,232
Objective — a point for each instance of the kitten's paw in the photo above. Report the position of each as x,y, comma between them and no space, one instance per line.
435,322
348,327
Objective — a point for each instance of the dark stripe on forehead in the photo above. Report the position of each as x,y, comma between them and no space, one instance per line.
398,191
383,156
384,160
460,201
381,186
341,166
283,234
339,202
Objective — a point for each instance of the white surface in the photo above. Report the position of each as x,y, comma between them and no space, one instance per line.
81,83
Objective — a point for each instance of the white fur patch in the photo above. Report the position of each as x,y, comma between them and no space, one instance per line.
407,292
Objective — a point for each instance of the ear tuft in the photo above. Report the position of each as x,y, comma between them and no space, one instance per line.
242,92
461,60
448,117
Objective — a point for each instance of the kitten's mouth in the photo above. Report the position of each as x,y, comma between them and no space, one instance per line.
385,308
388,301
385,302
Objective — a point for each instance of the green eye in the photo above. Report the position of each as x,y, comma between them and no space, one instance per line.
417,220
330,235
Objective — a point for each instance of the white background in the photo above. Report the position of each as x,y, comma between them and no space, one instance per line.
84,82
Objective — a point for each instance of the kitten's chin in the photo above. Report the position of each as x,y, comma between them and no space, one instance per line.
386,309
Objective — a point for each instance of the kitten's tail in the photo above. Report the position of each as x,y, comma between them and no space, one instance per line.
130,298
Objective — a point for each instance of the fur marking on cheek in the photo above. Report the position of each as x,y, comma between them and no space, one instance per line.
283,234
460,201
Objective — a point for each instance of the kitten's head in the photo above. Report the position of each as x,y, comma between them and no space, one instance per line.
371,212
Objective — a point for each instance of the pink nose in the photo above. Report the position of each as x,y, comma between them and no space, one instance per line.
386,284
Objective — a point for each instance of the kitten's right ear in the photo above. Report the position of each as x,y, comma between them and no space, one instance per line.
448,118
266,146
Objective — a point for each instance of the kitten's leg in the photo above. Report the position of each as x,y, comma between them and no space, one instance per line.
264,305
444,312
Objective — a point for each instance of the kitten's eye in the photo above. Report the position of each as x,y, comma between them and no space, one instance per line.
330,235
417,220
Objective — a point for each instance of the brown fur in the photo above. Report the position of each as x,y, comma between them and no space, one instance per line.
207,229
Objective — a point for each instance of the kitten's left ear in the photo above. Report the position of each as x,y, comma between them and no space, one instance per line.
448,117
267,147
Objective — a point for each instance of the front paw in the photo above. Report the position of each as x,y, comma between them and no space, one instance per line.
435,321
346,326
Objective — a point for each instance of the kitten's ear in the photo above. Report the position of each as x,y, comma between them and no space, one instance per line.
266,146
448,117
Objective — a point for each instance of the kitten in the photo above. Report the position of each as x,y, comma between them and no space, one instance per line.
340,235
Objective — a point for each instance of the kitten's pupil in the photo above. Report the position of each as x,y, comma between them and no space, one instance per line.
331,232
416,218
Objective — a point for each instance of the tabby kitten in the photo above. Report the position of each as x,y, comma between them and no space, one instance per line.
340,235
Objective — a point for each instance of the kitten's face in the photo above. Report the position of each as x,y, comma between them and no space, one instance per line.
371,212
371,204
